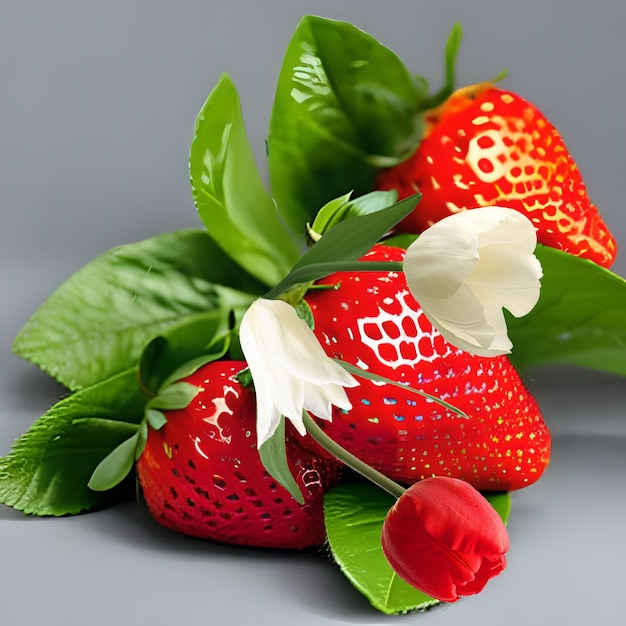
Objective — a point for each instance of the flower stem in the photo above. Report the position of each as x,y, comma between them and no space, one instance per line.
350,460
314,271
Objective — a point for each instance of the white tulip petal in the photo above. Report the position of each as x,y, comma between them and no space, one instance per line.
317,403
467,267
318,399
509,226
453,265
461,320
290,370
509,276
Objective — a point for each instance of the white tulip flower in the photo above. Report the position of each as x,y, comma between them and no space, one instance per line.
290,370
465,268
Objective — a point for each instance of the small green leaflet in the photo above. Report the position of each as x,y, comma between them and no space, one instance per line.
354,515
346,241
274,458
155,418
304,313
452,50
97,323
342,208
115,466
47,471
344,107
228,192
580,318
174,396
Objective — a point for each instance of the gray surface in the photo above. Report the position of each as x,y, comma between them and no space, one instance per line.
97,108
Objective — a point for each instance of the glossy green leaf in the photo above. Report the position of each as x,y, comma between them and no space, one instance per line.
48,468
97,323
344,107
346,241
274,458
343,208
354,515
112,470
228,192
580,318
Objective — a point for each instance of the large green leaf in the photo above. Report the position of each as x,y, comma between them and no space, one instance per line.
235,208
580,318
97,322
49,467
345,106
354,515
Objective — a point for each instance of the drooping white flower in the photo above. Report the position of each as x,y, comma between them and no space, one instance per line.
290,370
465,268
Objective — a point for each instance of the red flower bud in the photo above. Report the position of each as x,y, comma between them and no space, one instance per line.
444,538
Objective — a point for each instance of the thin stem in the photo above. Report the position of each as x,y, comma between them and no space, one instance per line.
350,460
314,271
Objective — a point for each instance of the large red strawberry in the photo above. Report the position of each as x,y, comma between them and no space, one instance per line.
201,473
371,320
486,146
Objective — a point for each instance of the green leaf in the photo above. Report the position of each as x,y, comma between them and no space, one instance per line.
452,51
112,470
174,396
97,322
305,313
342,208
346,241
354,515
580,318
228,192
142,437
155,418
344,107
274,458
182,349
47,471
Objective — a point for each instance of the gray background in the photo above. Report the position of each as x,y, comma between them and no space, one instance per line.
97,106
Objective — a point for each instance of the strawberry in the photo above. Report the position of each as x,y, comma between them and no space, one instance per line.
201,473
485,146
371,320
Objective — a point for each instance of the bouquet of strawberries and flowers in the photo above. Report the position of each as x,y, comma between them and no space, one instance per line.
335,363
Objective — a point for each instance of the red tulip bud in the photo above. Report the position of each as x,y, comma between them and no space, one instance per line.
444,538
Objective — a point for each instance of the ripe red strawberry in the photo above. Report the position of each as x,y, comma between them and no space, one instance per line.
485,146
201,473
372,321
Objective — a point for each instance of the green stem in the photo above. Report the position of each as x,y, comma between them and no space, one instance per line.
314,271
350,460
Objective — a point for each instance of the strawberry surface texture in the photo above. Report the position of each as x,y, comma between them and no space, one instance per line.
371,320
201,473
485,146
